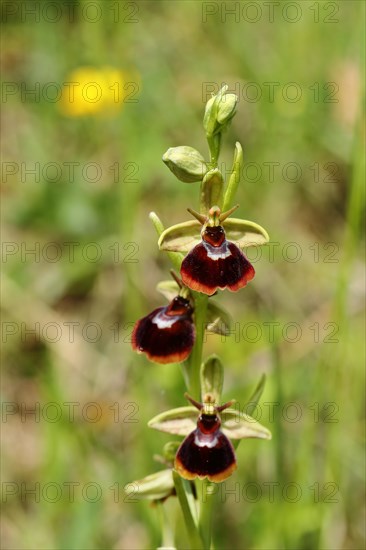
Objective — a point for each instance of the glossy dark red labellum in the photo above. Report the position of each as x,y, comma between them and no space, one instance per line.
216,263
206,452
167,334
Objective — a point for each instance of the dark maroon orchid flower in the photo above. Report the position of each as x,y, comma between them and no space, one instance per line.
216,263
206,452
167,334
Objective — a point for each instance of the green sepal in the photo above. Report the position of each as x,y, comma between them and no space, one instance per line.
180,421
181,237
210,116
226,108
234,178
235,424
244,232
238,425
212,378
217,320
153,487
212,187
186,163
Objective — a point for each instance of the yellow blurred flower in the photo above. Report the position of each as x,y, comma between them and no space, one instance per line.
91,90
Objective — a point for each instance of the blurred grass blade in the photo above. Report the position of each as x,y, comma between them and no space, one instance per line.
254,399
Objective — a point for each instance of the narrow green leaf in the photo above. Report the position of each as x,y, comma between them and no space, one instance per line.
180,421
254,400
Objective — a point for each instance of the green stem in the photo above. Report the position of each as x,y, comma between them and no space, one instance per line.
166,527
195,359
214,144
207,491
204,494
189,520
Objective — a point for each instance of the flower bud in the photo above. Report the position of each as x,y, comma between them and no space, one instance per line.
220,109
210,116
156,486
186,163
226,108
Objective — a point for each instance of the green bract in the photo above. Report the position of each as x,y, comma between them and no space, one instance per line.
234,423
211,189
184,236
186,163
212,378
217,320
234,178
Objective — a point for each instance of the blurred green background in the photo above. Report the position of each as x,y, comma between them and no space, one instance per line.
69,306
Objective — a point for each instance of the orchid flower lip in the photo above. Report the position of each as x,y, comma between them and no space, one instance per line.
206,452
167,334
216,263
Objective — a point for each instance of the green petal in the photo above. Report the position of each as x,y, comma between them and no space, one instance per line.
153,487
238,425
181,237
180,421
245,233
212,378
